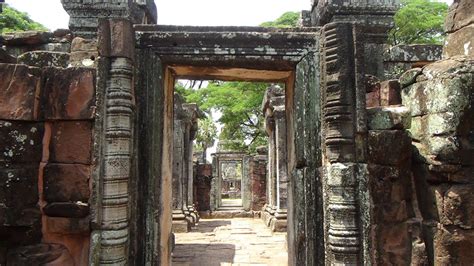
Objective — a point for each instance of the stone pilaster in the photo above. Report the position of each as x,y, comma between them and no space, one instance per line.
376,16
113,213
344,140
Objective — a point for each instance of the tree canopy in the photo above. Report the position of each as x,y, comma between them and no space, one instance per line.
420,22
239,106
287,20
14,20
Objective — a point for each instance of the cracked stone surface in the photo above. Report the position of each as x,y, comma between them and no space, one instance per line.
225,242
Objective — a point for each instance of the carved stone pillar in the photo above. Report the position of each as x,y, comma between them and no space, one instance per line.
112,217
344,127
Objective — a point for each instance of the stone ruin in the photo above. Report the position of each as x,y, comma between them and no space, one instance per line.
378,172
274,213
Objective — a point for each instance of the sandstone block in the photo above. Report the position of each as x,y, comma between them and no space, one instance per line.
372,99
67,209
19,85
439,95
458,207
116,38
393,244
389,184
453,246
389,147
66,182
84,52
6,58
459,15
460,43
19,195
390,93
68,94
44,59
40,254
384,118
61,225
71,142
27,38
20,142
409,77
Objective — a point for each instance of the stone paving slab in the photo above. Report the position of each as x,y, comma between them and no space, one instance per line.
230,242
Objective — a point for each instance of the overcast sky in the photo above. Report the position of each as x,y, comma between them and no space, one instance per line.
179,12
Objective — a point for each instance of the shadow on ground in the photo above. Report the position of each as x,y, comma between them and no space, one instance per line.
203,254
208,226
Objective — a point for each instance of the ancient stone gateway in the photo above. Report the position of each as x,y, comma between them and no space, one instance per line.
345,193
165,53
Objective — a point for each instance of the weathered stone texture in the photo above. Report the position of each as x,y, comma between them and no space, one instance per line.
19,86
202,184
460,28
40,254
71,142
440,99
66,182
67,209
68,94
19,211
441,107
20,142
44,59
400,58
84,52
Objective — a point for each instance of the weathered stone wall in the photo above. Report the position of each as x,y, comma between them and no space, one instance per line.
257,177
202,186
440,99
46,135
400,58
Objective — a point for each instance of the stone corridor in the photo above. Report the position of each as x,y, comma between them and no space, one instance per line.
238,241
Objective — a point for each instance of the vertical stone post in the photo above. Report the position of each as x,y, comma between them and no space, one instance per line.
279,113
180,224
112,229
192,115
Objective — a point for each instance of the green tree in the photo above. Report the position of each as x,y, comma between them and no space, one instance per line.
206,135
239,106
14,20
287,20
420,22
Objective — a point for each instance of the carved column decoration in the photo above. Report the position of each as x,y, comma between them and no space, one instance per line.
117,154
339,118
114,208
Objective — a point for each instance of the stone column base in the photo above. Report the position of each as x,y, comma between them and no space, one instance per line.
192,215
279,221
180,224
268,214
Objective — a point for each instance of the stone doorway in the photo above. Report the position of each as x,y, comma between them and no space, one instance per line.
167,53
